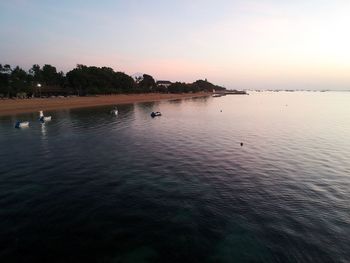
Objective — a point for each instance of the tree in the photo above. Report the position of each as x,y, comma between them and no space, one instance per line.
61,80
94,80
6,69
49,75
147,83
35,71
204,85
123,83
77,79
4,82
179,87
18,81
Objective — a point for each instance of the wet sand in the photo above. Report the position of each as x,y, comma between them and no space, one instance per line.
9,106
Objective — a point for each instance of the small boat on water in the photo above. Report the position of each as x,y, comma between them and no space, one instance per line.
217,95
155,114
21,124
43,118
46,118
114,111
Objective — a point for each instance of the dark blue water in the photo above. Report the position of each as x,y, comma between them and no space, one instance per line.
91,187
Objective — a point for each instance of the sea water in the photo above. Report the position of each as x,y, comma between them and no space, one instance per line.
89,186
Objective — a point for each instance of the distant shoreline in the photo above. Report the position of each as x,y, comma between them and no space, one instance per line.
9,106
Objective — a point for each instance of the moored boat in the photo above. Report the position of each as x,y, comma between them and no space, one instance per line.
43,118
155,114
22,124
114,111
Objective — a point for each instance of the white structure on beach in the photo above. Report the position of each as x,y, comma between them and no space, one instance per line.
164,83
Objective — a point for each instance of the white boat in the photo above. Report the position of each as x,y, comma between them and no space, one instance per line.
47,118
44,118
114,111
22,124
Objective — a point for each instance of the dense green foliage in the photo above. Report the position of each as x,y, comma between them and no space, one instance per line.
147,83
199,85
16,82
84,80
204,85
93,80
13,81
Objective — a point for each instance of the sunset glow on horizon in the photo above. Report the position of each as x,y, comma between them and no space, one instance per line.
237,44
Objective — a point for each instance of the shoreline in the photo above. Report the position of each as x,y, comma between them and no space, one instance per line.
9,107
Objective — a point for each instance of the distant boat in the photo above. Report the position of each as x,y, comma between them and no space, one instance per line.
21,124
114,111
217,95
236,92
43,118
155,114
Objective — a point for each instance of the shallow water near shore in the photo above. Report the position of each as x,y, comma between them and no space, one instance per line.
92,187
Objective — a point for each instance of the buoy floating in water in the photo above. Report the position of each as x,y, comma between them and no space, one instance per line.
241,144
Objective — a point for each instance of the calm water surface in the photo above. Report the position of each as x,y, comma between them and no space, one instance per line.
91,187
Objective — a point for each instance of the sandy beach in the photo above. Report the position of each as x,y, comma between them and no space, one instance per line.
8,107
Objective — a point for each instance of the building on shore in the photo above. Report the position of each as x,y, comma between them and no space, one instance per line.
164,83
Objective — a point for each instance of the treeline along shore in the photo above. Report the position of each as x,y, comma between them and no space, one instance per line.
41,82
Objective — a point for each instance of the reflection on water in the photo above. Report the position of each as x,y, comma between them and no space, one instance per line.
90,186
43,129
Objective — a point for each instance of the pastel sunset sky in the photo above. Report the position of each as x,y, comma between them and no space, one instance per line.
302,44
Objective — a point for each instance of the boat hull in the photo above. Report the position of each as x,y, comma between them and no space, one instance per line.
22,124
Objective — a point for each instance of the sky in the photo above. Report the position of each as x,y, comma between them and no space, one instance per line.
244,44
